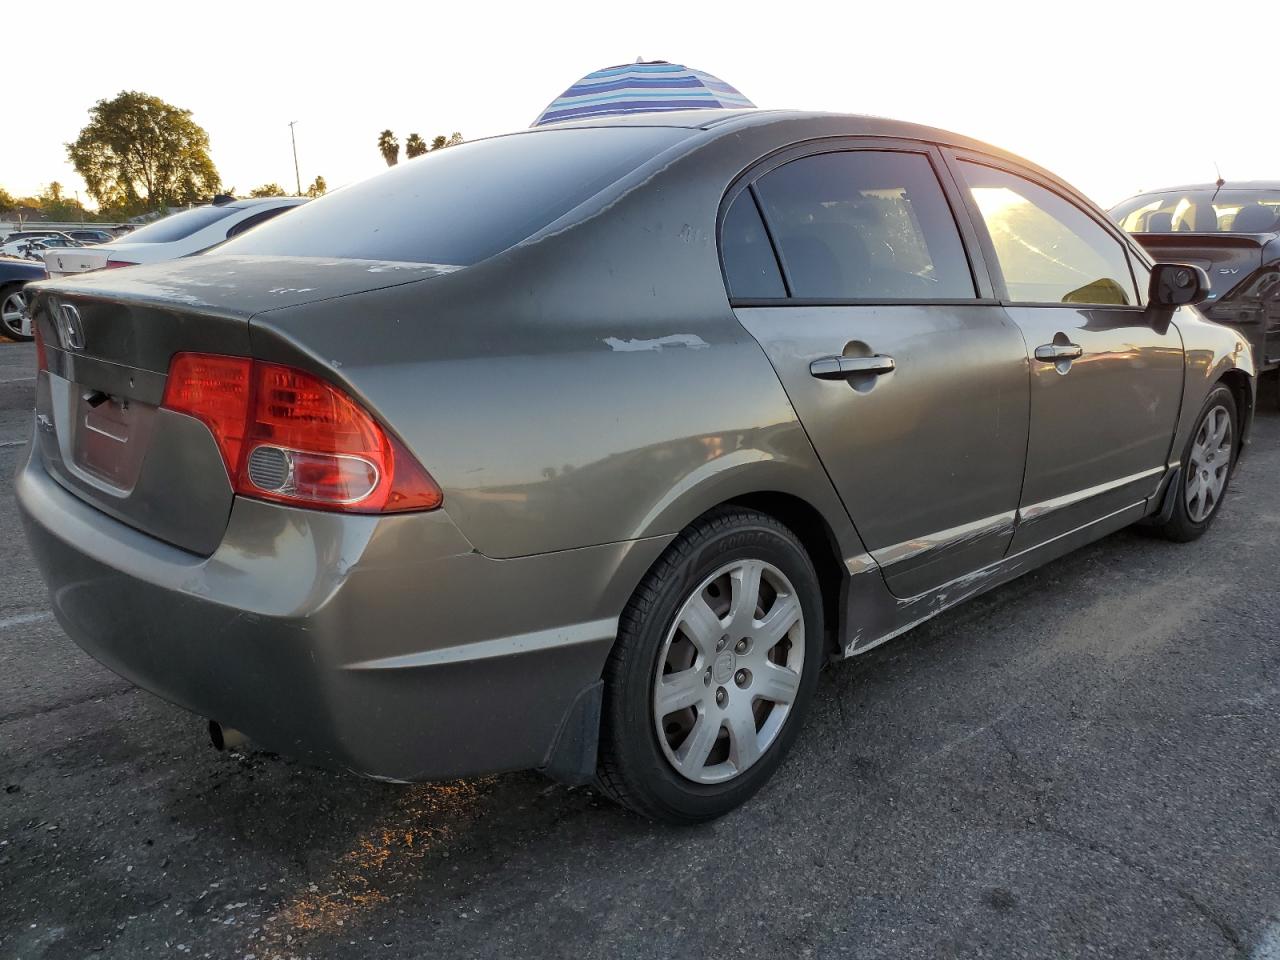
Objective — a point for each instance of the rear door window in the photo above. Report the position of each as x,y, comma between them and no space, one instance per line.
865,225
1049,250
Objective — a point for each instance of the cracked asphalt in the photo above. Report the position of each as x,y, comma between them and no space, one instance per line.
1083,763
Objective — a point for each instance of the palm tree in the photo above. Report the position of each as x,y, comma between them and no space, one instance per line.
439,142
415,146
389,147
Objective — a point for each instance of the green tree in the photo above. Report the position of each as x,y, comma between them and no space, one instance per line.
415,146
7,201
139,153
268,190
389,147
57,207
318,188
440,142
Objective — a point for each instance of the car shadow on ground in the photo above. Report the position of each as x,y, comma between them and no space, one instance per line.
352,851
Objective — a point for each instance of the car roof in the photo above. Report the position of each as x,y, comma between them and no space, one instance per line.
1228,185
822,124
853,124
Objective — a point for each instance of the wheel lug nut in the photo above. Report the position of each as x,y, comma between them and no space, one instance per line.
722,697
706,678
722,643
742,678
740,646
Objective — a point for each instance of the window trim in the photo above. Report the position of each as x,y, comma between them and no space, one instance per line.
954,157
256,217
975,258
726,205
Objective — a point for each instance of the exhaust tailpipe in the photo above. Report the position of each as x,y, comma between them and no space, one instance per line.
225,738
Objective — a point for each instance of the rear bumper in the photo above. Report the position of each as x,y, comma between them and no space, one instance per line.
383,645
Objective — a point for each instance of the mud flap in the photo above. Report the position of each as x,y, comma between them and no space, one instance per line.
572,758
1169,500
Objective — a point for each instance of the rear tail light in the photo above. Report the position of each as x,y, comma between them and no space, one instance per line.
111,264
288,436
42,361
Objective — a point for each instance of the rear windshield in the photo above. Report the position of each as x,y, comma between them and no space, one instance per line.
179,226
461,204
1199,211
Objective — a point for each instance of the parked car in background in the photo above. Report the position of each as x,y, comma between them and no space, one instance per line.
91,236
35,246
29,234
584,448
1232,230
178,235
14,275
24,248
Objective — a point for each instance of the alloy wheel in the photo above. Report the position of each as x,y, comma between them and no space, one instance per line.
1209,465
729,671
13,312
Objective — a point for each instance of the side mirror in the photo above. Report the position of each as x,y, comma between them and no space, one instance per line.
1177,285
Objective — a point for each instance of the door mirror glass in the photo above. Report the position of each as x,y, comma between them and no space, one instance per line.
1177,285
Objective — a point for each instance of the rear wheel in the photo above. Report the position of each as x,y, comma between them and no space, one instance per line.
13,311
1207,463
716,660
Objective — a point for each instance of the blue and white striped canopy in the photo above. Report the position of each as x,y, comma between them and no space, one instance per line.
641,88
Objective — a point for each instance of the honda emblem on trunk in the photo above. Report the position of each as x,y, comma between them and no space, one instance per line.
70,330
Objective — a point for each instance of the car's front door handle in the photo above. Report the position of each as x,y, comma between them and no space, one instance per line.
1053,352
841,368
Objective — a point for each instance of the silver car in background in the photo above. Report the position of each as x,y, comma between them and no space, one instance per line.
583,449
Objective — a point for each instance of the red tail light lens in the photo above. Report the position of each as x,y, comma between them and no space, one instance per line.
112,264
216,390
288,436
42,361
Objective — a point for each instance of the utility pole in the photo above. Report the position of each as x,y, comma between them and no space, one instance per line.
296,177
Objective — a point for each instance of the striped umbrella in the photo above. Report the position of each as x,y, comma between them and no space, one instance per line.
641,87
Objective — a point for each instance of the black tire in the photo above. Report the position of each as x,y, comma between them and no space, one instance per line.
632,767
1181,527
5,330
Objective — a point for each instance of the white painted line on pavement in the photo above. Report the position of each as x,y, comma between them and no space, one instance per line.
1268,947
18,380
13,443
25,618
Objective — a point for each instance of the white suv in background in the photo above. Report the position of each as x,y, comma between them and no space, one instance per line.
178,235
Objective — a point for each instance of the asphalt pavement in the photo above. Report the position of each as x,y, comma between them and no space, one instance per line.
1083,763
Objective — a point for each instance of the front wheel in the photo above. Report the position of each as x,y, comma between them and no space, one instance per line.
716,660
13,312
1207,463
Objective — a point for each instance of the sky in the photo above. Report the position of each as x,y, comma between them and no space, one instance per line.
1115,97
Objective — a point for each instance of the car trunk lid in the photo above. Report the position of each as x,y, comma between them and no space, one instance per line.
64,262
1228,258
108,339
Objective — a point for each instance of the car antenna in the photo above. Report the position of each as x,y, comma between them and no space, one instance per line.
1219,184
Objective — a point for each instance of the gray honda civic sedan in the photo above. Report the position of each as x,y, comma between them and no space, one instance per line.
584,449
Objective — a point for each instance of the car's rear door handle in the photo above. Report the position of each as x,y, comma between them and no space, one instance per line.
841,368
1053,352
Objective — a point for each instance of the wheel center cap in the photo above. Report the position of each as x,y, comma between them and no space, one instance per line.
722,670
